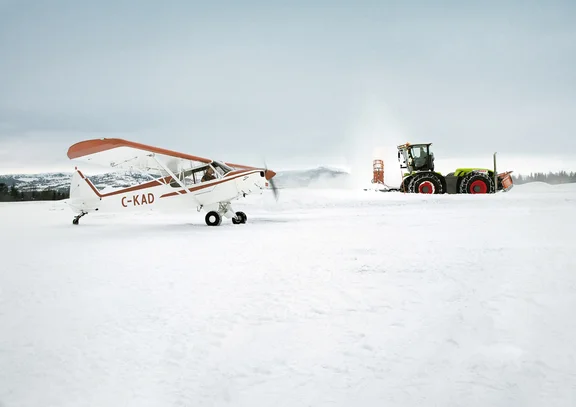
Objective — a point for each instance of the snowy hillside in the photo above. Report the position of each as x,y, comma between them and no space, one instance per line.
61,181
321,176
28,182
328,297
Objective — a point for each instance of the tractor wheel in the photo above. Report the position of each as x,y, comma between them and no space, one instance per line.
426,183
405,183
477,183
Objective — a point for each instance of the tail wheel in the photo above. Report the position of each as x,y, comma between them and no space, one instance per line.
426,183
477,183
213,218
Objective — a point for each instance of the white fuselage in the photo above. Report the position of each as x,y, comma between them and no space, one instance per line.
208,195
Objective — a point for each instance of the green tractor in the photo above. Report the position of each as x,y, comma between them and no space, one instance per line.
421,178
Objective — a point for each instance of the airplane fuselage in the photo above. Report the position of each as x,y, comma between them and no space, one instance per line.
85,197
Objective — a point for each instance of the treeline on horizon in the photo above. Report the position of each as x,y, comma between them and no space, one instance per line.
561,177
11,194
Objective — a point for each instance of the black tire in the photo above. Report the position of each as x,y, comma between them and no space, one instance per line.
426,183
75,221
213,218
405,183
476,183
240,218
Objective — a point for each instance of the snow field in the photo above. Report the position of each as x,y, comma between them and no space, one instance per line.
325,298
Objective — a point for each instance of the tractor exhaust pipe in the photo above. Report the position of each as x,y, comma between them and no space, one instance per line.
495,175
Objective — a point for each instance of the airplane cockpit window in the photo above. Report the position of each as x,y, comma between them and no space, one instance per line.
221,168
191,173
195,175
208,175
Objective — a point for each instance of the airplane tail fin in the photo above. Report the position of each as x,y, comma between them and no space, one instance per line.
84,197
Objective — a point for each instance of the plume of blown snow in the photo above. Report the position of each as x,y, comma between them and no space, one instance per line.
374,134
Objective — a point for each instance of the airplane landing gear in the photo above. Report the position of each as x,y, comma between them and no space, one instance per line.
214,217
76,219
239,218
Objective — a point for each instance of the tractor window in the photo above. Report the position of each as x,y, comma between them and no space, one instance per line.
420,157
419,152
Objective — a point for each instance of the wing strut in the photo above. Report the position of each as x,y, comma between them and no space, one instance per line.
185,190
170,173
146,174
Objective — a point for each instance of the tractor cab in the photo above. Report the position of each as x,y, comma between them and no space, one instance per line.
416,157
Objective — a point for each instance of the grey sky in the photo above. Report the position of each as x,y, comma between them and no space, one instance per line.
299,84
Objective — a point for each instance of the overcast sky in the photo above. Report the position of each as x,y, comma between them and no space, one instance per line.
298,83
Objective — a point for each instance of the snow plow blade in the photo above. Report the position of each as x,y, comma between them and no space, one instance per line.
506,180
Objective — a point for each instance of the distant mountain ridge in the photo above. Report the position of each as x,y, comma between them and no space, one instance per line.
60,181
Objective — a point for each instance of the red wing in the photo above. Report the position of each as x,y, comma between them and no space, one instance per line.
120,153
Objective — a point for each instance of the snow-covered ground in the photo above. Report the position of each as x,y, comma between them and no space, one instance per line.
325,298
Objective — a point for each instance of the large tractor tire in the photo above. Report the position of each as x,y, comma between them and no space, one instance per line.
405,183
476,183
426,183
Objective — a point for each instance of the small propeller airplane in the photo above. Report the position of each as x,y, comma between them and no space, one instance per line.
208,184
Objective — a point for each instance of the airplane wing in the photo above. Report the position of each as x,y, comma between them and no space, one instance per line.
124,154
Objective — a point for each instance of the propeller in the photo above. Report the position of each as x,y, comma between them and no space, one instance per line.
269,174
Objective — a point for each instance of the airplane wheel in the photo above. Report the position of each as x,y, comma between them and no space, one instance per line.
213,218
240,218
75,221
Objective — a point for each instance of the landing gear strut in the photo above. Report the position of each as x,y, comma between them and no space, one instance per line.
77,218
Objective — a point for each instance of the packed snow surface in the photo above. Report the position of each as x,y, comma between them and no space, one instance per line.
324,298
